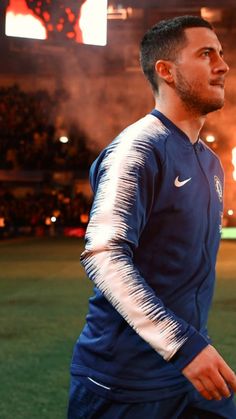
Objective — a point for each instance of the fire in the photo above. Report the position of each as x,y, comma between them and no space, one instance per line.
89,26
93,22
234,162
20,21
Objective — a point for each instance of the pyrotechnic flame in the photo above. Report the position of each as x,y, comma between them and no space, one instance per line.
234,162
93,22
22,22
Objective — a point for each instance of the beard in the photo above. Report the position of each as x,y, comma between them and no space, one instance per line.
193,100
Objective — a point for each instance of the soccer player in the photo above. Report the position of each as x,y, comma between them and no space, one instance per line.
151,247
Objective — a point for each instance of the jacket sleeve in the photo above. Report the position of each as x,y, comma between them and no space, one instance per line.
124,183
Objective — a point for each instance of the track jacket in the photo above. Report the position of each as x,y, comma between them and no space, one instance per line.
151,247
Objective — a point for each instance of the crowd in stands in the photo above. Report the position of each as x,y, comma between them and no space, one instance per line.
29,133
45,213
30,124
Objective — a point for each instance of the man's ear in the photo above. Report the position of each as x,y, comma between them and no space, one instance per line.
164,70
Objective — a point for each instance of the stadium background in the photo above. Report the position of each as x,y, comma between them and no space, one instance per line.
61,102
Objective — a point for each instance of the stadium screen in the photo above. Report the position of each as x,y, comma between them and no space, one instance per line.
82,21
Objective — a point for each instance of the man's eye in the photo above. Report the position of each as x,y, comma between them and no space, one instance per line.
206,53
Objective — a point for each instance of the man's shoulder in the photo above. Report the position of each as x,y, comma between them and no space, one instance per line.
142,141
147,129
138,146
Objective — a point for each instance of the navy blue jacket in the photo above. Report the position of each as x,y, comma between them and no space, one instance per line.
151,247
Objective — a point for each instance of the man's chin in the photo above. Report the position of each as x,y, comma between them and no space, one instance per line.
212,107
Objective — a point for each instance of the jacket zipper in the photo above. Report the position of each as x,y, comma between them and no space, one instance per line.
196,150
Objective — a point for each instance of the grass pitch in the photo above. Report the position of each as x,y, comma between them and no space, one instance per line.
43,302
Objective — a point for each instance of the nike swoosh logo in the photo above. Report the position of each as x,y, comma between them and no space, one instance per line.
179,183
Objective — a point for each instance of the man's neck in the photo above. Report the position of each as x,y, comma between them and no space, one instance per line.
189,123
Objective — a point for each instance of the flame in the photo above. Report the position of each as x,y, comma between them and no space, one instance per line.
21,22
234,162
90,25
93,22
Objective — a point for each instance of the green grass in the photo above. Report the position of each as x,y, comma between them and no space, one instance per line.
229,233
223,315
43,294
43,301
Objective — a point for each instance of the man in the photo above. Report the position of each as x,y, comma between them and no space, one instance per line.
151,247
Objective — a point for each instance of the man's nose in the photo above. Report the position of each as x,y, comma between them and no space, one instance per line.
222,66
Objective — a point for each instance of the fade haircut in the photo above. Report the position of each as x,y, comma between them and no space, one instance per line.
164,41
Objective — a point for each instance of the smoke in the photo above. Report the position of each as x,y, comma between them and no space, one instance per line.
105,95
105,89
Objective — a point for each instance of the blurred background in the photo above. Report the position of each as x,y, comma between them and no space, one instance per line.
70,81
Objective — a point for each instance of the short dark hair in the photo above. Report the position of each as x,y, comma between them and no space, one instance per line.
164,40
